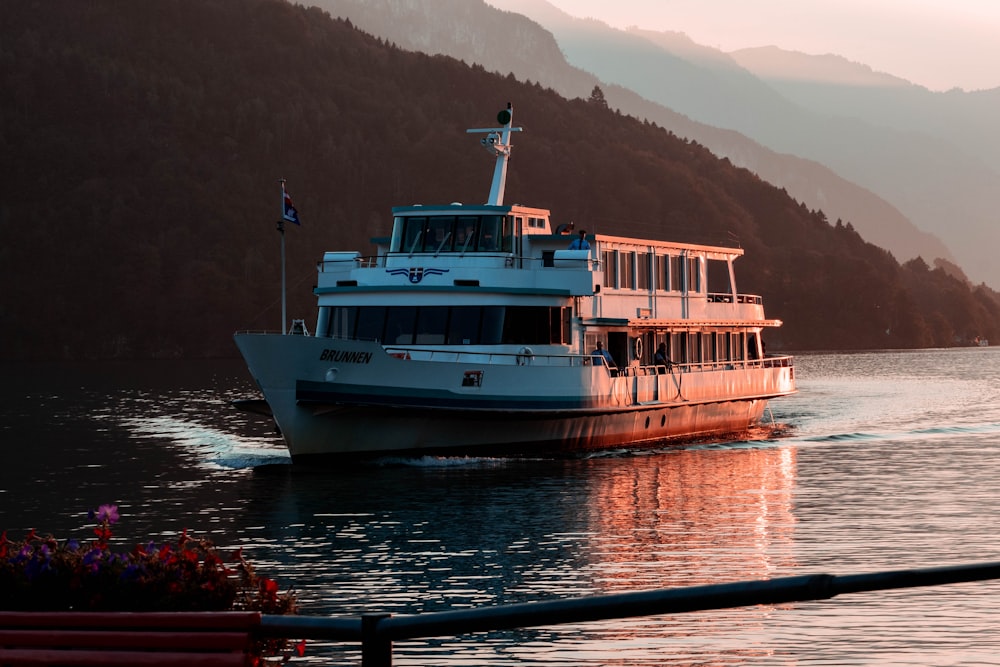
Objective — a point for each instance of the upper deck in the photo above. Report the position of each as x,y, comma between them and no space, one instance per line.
496,254
493,254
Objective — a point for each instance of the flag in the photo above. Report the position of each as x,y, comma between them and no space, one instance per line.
289,212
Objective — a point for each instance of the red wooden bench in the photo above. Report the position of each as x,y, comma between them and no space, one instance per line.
147,639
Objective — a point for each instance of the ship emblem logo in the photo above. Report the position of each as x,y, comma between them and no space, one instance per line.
416,273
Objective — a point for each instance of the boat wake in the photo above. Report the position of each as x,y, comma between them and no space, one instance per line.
210,446
931,433
438,461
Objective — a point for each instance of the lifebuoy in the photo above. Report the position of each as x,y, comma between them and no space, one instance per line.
638,347
524,356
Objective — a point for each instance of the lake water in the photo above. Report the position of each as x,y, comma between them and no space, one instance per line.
891,461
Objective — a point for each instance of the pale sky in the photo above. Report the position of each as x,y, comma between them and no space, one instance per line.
940,44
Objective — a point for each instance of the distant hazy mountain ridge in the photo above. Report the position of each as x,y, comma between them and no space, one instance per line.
530,52
933,156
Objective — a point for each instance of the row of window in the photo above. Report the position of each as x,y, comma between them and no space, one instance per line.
682,347
448,325
521,325
706,347
636,270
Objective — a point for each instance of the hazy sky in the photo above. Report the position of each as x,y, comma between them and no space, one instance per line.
939,44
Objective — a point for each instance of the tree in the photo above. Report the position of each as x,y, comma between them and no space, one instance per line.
597,97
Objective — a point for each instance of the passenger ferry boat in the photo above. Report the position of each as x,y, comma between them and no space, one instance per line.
474,330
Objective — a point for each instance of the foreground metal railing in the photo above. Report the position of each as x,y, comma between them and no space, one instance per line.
377,631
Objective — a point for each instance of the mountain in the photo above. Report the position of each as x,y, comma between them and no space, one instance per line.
832,84
946,187
505,41
146,142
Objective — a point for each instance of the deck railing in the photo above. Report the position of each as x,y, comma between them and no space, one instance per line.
377,631
527,356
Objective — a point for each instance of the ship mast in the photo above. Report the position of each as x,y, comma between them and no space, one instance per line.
497,142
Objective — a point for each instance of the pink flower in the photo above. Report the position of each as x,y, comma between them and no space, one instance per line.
107,513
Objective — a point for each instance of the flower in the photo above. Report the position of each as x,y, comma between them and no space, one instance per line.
44,574
108,513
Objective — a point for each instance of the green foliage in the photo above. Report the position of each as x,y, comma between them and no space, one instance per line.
145,143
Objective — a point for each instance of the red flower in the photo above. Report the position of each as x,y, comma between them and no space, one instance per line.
300,648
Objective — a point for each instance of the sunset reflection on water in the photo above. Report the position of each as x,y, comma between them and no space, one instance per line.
683,518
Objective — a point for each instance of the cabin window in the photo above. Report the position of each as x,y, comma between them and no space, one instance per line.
492,330
708,351
609,258
694,347
718,277
432,325
626,271
342,322
661,277
463,325
559,325
526,324
678,345
753,349
400,325
642,269
676,267
371,323
694,274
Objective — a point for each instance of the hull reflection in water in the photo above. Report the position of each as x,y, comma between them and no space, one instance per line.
443,534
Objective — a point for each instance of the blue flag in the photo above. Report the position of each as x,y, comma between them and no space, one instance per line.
289,212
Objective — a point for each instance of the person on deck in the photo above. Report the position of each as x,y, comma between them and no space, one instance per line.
601,353
580,243
661,358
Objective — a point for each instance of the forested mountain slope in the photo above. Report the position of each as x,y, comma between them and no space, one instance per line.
144,144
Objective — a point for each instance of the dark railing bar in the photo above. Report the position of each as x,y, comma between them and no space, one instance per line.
596,608
377,631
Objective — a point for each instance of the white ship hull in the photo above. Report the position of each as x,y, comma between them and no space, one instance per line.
343,398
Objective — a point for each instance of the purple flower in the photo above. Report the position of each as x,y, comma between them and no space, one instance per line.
107,513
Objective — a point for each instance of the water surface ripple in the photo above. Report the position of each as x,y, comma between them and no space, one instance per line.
889,461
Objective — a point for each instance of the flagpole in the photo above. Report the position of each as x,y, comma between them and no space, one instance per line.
281,230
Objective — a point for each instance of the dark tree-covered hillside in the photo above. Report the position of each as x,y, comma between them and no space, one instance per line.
144,143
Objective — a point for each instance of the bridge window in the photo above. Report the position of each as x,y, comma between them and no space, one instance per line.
465,232
449,233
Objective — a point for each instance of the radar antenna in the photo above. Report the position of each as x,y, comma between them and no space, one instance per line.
497,142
